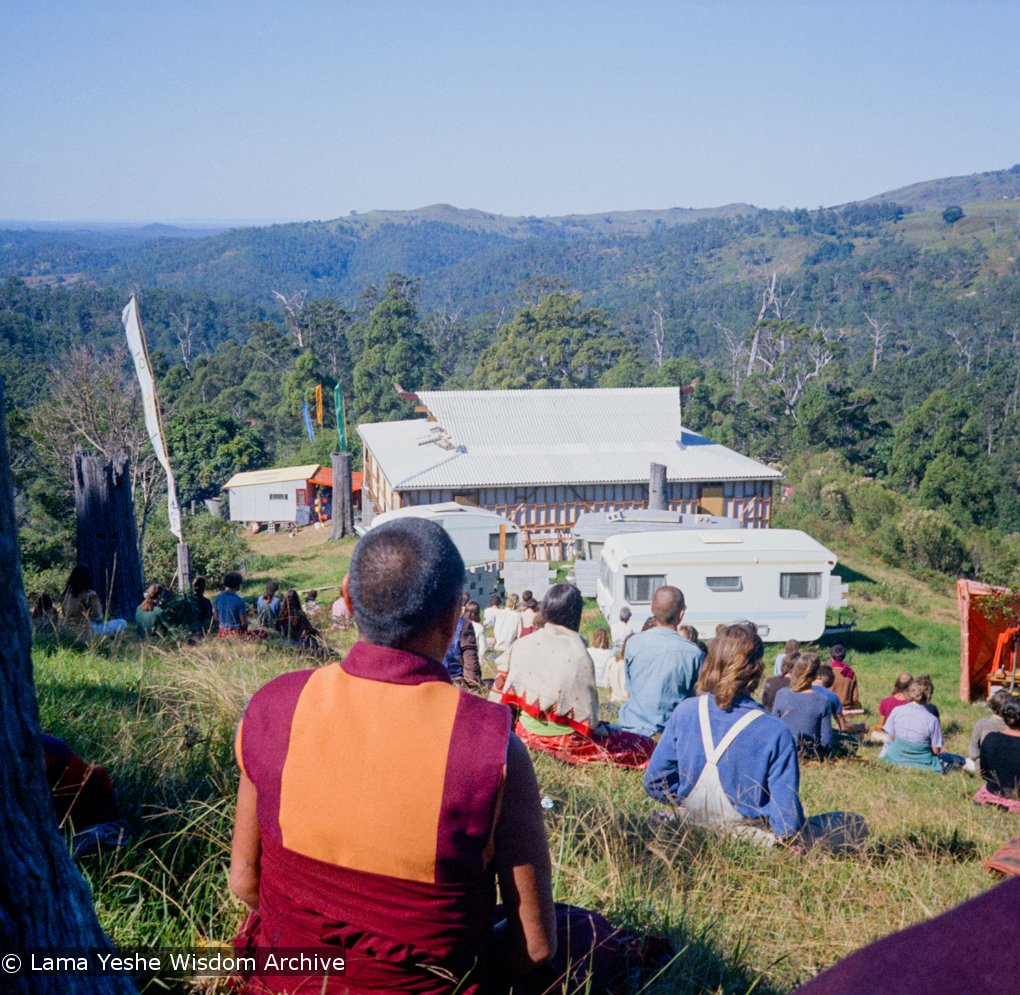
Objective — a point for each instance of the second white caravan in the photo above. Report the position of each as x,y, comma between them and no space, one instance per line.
780,579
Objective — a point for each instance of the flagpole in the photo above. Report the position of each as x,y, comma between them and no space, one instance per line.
132,321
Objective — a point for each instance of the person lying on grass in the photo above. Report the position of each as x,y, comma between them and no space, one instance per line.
728,764
550,678
379,805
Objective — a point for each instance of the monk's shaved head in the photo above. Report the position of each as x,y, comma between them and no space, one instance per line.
668,605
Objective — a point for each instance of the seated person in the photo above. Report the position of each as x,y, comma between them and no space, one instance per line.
311,605
729,764
550,678
692,635
506,628
149,616
601,653
328,850
83,798
230,613
473,613
1000,760
792,648
622,627
202,604
490,613
44,615
991,723
461,660
616,676
339,612
806,711
845,685
773,684
897,698
267,606
292,623
82,609
915,735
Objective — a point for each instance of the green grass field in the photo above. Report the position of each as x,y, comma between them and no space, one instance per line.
161,718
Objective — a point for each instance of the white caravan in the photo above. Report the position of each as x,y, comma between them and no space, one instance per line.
593,528
474,531
780,579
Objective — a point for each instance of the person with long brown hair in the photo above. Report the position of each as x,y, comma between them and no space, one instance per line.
727,763
807,714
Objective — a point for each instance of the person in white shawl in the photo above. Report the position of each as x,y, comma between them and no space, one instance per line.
550,678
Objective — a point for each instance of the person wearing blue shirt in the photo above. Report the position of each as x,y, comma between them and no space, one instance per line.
728,764
660,667
806,710
229,609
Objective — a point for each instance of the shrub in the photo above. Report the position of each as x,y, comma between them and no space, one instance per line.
931,540
215,548
872,504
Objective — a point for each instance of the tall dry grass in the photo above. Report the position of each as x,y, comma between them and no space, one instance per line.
743,919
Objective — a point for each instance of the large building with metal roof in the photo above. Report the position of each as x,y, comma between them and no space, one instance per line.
541,457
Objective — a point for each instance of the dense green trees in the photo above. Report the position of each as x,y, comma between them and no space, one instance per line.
554,343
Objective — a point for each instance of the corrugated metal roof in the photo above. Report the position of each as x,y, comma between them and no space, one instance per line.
280,475
525,437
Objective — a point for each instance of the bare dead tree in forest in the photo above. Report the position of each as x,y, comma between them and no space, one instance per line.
773,303
658,333
45,905
790,356
964,347
94,404
293,305
879,333
185,337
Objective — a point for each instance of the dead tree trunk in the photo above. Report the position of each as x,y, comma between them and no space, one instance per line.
343,502
44,903
107,541
657,488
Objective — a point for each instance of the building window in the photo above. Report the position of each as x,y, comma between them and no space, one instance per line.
638,589
724,584
279,497
511,541
800,587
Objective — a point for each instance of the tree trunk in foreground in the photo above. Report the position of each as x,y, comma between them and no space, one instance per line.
107,541
343,502
44,902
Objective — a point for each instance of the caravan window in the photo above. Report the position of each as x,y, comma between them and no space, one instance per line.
511,540
724,584
279,497
638,590
800,586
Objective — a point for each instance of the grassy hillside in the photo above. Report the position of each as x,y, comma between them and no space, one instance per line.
162,719
997,184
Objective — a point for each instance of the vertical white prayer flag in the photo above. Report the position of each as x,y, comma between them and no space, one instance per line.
150,402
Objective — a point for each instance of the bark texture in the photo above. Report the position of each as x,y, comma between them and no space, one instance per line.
107,540
44,902
343,505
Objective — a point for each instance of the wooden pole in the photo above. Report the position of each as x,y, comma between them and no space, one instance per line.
657,488
343,501
44,902
184,568
107,540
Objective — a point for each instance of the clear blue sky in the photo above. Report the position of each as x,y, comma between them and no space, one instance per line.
299,109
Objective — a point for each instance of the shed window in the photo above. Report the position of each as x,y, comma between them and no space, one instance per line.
724,584
279,497
638,589
511,540
800,586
